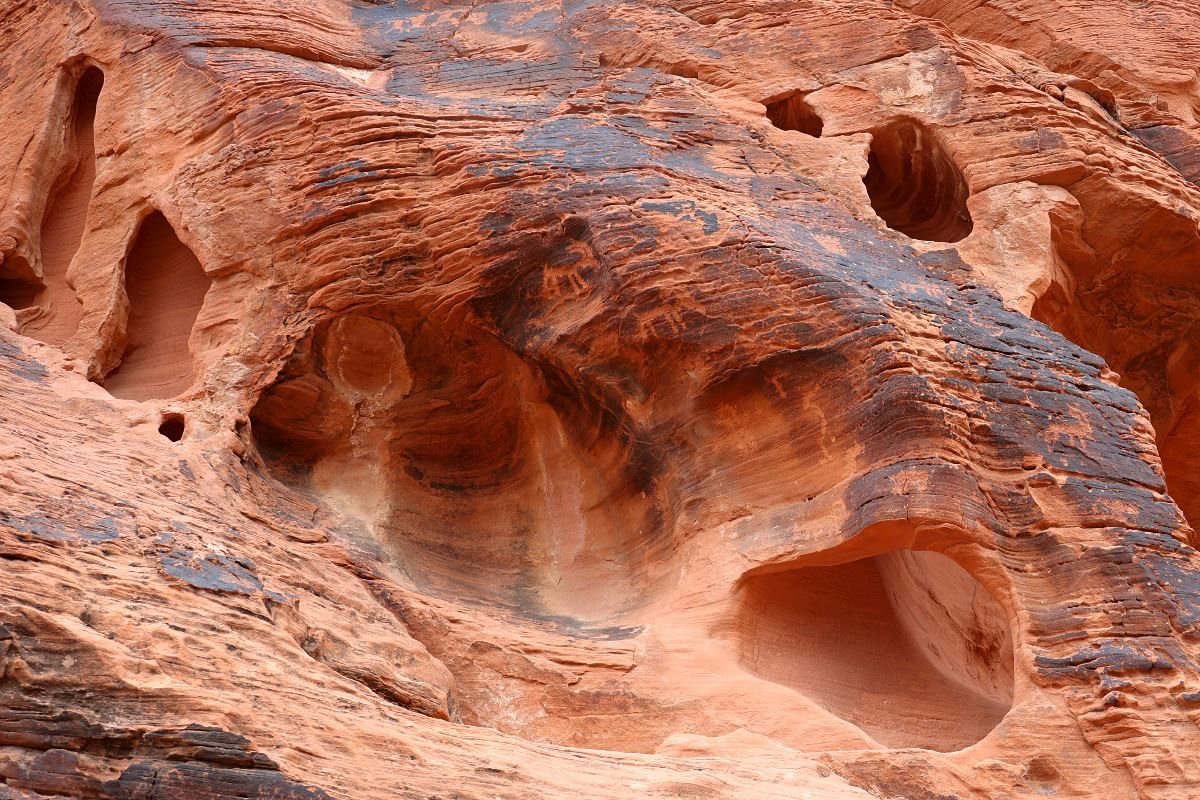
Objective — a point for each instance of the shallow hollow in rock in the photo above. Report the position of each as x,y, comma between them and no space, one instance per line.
914,185
482,475
907,646
793,113
166,287
63,225
18,289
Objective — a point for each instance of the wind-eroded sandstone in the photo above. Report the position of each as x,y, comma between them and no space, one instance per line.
599,399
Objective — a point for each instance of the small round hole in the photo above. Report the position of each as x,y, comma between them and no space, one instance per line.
172,427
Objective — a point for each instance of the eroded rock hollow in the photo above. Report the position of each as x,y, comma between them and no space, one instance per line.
599,399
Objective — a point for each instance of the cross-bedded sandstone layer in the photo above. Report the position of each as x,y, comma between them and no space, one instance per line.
599,399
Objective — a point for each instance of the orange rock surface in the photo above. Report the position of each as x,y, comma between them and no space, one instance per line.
599,399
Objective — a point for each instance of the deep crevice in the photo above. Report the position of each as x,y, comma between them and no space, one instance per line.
166,287
914,185
793,113
66,216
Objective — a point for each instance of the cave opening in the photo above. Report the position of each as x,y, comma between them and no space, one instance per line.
18,289
907,645
1132,300
166,287
794,113
915,186
172,427
1163,373
66,216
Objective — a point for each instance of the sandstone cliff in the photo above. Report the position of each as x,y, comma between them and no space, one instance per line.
599,399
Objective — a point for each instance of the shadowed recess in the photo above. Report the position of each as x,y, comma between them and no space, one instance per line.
18,288
914,184
793,113
907,646
1133,299
481,474
172,427
66,216
166,287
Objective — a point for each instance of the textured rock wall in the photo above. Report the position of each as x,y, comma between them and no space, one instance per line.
599,399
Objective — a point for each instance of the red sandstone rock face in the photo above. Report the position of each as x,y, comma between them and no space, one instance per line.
599,399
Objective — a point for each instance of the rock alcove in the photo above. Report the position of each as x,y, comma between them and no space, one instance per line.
482,477
793,112
907,645
914,184
472,468
48,307
166,287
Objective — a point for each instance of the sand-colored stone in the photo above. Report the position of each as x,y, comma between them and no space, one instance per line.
599,399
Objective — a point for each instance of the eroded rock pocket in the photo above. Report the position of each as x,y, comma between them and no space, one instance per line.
914,185
907,646
482,475
793,113
50,309
166,287
172,427
1133,300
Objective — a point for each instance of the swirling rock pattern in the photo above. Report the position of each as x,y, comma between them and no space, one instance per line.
599,399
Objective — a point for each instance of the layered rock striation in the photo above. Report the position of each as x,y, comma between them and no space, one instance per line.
599,399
